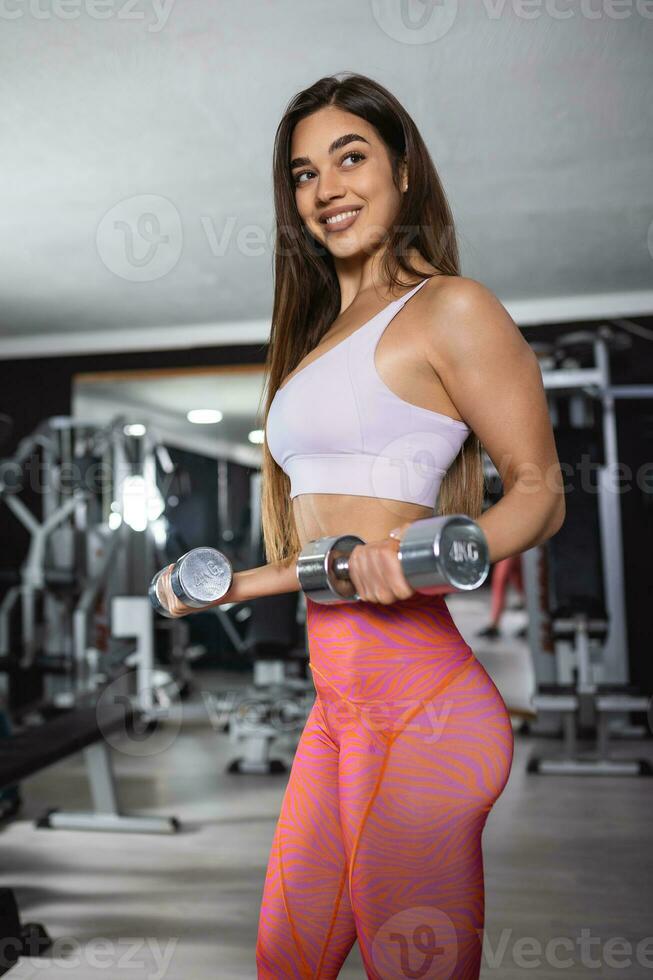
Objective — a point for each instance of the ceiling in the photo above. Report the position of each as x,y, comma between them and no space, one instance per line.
135,174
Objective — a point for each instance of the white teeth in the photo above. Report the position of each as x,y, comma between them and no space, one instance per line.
341,217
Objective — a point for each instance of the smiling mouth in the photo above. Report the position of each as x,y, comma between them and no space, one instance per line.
341,221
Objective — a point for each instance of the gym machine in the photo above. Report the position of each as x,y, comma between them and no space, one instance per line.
575,583
93,546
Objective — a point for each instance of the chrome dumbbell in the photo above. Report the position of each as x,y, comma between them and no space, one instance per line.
198,578
437,554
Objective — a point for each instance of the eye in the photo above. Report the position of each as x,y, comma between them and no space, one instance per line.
352,153
298,177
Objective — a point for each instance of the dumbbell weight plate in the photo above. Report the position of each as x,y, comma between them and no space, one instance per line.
200,576
316,570
438,552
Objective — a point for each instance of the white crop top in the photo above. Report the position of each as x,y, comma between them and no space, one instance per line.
335,426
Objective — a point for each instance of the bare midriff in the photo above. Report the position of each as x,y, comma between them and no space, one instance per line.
320,515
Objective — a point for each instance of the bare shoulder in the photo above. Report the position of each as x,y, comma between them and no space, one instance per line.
490,373
464,316
461,292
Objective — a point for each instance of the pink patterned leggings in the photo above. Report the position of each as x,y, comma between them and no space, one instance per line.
405,750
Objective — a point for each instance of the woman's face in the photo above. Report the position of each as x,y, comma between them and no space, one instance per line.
331,170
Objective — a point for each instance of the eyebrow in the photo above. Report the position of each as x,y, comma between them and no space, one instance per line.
336,145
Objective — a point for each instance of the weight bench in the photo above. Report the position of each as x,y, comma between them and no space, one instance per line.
84,730
24,754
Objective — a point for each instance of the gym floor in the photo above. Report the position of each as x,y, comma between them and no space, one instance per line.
568,864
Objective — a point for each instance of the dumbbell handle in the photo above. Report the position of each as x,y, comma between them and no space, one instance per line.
437,555
341,568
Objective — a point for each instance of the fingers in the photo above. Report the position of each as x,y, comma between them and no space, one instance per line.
168,597
375,571
397,532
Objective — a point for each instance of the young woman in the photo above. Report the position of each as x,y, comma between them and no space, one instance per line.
386,372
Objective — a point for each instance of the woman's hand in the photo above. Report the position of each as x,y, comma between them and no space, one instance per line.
376,571
275,578
175,606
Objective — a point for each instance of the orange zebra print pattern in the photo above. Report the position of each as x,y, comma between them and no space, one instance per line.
405,750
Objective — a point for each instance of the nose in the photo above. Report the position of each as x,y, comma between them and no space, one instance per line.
329,186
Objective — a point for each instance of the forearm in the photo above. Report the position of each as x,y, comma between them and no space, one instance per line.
519,521
272,579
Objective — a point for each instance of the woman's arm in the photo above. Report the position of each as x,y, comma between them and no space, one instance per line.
494,379
273,579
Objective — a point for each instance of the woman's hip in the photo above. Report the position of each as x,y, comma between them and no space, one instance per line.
400,681
384,654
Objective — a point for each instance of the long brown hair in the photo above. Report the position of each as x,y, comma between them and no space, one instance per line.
307,290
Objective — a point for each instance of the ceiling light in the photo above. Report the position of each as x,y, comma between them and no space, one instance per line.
135,429
204,416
